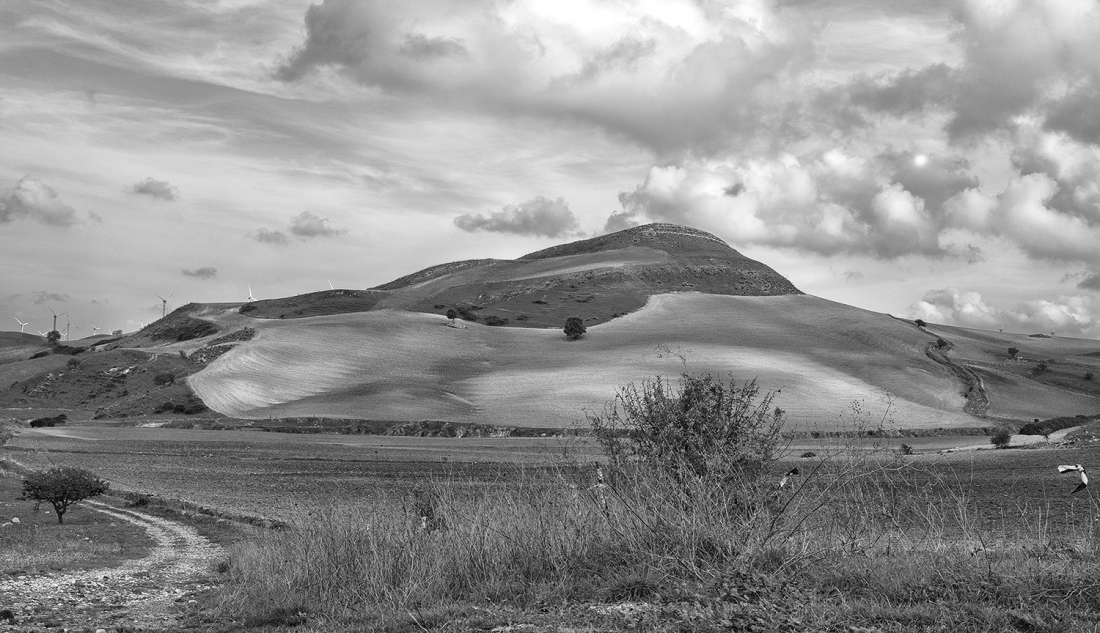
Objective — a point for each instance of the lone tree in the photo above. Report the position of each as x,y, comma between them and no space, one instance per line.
1000,438
1012,352
919,323
62,487
574,328
53,336
452,315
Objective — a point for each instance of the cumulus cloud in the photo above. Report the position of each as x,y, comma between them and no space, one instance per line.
304,226
33,199
538,216
1019,57
206,272
269,236
307,225
159,189
675,76
1069,315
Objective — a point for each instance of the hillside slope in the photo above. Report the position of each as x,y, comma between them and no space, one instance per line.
408,366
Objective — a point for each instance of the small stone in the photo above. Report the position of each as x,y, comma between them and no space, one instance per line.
15,519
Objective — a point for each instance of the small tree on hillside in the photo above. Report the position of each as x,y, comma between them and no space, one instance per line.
1001,438
62,487
1012,352
452,315
919,323
53,336
574,328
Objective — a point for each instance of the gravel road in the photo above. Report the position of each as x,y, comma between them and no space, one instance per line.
146,594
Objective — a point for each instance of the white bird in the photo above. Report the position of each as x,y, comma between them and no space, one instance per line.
21,324
1077,468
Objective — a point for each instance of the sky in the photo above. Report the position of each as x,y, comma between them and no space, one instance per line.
922,158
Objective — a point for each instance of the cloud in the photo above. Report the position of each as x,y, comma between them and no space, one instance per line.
206,272
1018,59
1090,282
538,216
308,225
852,275
677,76
40,297
268,236
158,189
33,199
1069,315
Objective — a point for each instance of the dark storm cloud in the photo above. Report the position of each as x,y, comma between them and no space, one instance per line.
158,189
33,199
206,272
539,216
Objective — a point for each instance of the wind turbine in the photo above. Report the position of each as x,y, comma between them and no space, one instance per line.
68,325
54,319
164,304
95,329
250,297
21,324
41,333
330,285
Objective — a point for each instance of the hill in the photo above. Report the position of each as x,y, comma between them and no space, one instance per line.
598,279
658,300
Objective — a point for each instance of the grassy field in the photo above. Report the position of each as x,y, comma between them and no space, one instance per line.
37,544
968,540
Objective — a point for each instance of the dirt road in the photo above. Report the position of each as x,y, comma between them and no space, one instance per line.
146,594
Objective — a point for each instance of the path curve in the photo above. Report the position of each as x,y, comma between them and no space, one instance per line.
145,594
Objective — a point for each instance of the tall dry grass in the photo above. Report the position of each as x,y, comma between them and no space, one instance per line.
884,531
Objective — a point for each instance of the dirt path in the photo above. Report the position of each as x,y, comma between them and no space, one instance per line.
146,594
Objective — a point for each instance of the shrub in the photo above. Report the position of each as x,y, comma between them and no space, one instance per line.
1012,352
452,315
808,455
53,336
73,363
165,378
116,333
38,423
919,323
1041,368
906,449
1088,375
40,355
702,426
62,487
495,320
941,343
1001,438
574,328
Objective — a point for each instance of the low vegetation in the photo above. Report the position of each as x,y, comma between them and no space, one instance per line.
574,328
687,521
